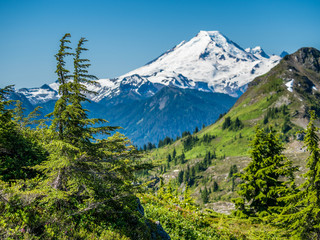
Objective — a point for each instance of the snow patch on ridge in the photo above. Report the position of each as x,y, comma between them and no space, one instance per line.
290,85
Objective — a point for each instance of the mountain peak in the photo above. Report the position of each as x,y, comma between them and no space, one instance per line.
283,54
210,60
257,52
308,57
215,36
210,33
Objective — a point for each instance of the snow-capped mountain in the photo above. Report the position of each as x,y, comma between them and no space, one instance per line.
208,62
183,88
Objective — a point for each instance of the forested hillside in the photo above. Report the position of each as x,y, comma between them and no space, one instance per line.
255,151
59,180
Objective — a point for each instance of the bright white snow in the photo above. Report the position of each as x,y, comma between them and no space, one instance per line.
290,85
209,57
208,62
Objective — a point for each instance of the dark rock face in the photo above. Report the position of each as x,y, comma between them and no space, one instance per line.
139,207
161,232
309,58
156,231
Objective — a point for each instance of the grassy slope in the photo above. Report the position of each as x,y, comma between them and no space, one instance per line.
195,225
265,92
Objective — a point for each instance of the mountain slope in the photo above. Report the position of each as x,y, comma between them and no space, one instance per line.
281,98
168,113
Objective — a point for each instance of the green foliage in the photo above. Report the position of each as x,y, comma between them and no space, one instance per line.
74,186
165,141
233,170
174,154
180,176
189,142
301,213
227,123
215,187
207,138
149,146
18,146
186,133
205,195
264,179
232,125
182,224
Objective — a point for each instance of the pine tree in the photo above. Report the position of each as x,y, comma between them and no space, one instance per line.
301,214
81,182
182,158
60,119
186,176
80,166
227,123
262,178
169,158
174,153
205,195
180,176
233,170
215,186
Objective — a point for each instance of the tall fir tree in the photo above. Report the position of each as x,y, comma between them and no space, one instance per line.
59,114
81,167
265,176
301,213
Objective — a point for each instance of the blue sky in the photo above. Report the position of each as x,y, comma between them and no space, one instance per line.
124,35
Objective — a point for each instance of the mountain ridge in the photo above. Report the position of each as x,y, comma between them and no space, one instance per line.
208,62
269,102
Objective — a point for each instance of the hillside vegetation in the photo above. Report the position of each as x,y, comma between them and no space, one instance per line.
59,181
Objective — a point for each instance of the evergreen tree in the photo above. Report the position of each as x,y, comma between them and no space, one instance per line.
233,185
262,178
180,176
227,123
186,176
237,124
205,195
193,172
59,114
301,213
169,158
81,182
182,158
79,166
215,186
79,127
174,153
233,170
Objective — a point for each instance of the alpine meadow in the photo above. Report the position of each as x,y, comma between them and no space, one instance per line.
209,140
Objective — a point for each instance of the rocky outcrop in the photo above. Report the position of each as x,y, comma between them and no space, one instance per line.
157,231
